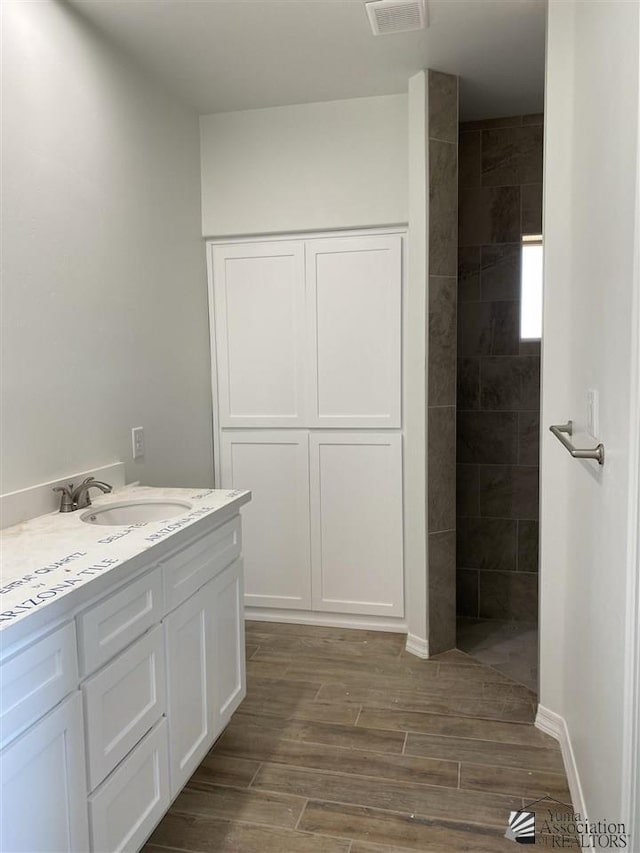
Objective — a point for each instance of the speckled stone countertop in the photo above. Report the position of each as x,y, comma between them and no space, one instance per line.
50,564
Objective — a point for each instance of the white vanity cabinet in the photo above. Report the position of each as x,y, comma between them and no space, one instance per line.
206,670
104,719
43,787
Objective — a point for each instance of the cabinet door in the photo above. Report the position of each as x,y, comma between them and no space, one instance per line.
354,298
356,522
43,787
275,525
259,331
190,693
228,648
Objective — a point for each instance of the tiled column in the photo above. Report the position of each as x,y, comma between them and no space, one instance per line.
441,389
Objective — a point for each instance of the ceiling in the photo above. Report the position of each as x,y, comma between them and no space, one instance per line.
221,55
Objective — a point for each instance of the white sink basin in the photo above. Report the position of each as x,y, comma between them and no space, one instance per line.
135,512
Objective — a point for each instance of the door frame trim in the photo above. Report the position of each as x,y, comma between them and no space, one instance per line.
631,767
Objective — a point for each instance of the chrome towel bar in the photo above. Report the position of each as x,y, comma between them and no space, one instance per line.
562,430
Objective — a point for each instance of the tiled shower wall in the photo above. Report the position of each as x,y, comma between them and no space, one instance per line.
498,393
442,132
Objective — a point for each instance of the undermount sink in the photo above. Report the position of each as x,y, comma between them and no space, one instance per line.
135,512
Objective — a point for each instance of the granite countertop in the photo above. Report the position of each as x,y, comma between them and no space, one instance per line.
48,562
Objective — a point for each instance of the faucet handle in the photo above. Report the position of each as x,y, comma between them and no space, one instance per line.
67,503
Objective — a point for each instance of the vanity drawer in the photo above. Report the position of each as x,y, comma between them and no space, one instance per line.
126,808
36,679
122,702
109,626
187,570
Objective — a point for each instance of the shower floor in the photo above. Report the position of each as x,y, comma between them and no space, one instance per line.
510,647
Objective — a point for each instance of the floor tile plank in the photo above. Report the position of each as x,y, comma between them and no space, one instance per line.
371,825
524,783
243,804
376,740
439,803
217,769
381,766
512,709
440,724
199,834
485,752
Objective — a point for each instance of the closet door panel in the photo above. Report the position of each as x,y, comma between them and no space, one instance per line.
259,332
275,525
356,522
354,297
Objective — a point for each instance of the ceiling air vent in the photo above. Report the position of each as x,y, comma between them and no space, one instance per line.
396,16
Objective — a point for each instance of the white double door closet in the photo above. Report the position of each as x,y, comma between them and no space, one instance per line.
307,368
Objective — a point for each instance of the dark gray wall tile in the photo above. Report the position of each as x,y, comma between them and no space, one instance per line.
488,123
442,341
489,215
442,591
441,487
509,491
500,272
487,437
467,593
529,438
532,209
508,595
530,348
487,543
443,208
443,106
511,382
468,273
511,156
467,490
488,328
468,387
528,533
533,118
470,162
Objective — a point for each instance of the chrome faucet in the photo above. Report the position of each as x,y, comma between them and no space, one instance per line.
72,499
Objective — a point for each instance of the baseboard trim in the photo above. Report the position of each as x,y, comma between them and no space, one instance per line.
556,726
417,646
326,620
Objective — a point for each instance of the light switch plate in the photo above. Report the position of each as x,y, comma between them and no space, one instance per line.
593,426
137,442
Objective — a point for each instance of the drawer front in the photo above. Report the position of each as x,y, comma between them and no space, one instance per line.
187,570
127,807
122,702
114,623
36,679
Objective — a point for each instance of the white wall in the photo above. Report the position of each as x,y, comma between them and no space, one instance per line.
104,292
591,119
336,164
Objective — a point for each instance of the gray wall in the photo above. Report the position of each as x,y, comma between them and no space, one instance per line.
498,397
104,289
442,134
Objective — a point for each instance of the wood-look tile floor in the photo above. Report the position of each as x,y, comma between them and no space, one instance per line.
347,744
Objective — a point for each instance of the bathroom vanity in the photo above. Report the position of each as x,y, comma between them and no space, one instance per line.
121,662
